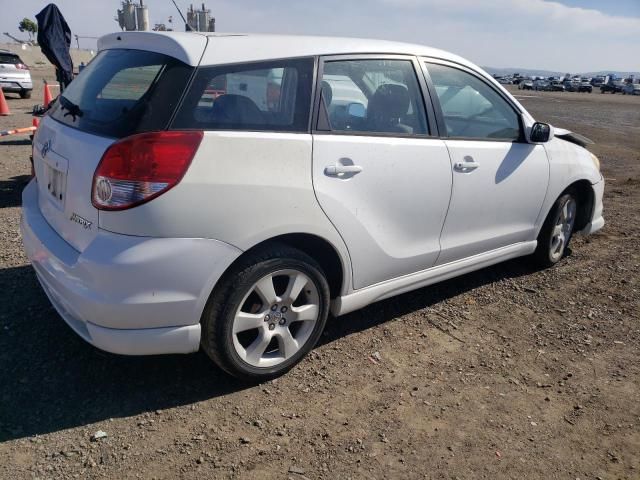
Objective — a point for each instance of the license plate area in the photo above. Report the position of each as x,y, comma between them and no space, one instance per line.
54,183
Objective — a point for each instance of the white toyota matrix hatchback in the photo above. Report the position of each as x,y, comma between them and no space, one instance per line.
227,192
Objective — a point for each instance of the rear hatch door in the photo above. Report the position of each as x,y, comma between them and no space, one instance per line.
120,93
64,161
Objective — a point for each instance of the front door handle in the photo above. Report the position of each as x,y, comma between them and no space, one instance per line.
338,169
467,165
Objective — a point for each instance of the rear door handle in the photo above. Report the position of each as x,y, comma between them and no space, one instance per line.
335,170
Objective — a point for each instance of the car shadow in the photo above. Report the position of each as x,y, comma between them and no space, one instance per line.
386,310
515,157
11,191
51,380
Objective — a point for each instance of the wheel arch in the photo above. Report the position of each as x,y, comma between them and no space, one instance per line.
585,197
334,265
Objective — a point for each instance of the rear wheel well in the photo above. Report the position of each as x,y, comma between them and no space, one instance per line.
322,252
316,247
583,193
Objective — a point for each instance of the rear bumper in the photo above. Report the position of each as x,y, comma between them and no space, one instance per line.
15,85
124,294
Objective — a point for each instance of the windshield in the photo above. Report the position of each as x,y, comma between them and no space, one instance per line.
122,92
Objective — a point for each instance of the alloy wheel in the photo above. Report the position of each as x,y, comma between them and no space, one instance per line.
276,318
562,231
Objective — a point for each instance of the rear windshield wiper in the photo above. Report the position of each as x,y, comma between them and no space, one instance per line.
73,109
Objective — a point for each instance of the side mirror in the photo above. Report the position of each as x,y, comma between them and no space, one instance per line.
540,133
356,110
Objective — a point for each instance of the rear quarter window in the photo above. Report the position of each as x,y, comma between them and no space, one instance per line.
122,92
265,96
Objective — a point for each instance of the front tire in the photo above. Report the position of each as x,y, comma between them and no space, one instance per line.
25,94
266,314
557,231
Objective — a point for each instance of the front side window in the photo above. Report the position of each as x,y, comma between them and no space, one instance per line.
471,108
270,96
372,96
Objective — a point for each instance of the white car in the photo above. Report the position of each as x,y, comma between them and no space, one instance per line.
168,214
631,88
14,74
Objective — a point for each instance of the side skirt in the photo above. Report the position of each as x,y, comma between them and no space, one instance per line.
390,288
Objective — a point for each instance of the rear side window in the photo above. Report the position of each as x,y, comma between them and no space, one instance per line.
269,96
122,92
372,96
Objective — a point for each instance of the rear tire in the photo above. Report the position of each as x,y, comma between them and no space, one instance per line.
556,231
25,94
266,314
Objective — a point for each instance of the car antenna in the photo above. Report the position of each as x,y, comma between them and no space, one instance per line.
187,27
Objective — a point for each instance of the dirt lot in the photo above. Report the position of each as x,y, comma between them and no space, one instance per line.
505,373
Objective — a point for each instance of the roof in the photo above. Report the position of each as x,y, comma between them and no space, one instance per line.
224,48
200,48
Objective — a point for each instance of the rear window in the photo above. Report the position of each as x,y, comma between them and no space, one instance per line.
10,59
269,96
122,92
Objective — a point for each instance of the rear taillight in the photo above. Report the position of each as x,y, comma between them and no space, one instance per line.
138,168
21,66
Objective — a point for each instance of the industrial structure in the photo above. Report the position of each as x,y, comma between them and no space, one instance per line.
133,16
200,20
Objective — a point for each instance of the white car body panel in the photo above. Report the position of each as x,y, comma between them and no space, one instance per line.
570,163
497,203
276,198
123,283
385,212
366,296
75,155
136,281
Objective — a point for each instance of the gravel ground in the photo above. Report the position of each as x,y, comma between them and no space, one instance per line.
508,372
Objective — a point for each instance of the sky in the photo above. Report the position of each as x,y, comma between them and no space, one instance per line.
563,35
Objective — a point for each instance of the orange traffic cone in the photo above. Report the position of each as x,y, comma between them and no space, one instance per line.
35,122
4,108
47,94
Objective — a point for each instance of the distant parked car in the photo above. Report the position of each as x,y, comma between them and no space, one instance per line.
631,89
585,85
597,81
542,85
525,84
612,86
556,86
14,74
